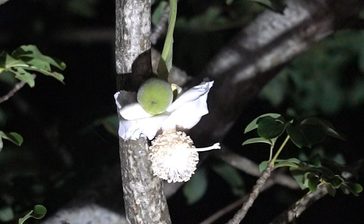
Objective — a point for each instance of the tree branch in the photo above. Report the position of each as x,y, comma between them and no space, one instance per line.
12,92
246,165
300,206
255,56
3,1
262,180
143,193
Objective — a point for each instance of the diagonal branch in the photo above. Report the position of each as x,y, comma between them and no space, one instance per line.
255,56
12,92
300,206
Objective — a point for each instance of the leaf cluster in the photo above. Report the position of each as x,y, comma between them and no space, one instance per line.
13,137
26,60
304,134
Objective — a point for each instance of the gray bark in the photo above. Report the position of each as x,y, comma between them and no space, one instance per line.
255,56
300,206
3,1
144,199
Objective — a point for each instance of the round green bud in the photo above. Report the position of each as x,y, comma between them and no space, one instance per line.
155,95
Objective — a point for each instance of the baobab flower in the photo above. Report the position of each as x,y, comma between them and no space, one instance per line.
172,153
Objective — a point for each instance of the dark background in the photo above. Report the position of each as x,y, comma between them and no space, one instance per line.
66,127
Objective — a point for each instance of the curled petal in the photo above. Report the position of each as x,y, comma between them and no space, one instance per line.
190,95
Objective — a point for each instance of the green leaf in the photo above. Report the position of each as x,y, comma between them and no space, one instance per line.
162,70
12,137
274,5
257,140
12,62
31,55
354,188
263,166
196,187
38,212
312,181
23,75
253,124
326,126
6,214
291,162
296,136
269,127
298,176
231,176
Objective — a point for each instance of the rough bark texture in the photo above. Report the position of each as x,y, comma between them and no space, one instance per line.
143,194
254,57
300,206
144,199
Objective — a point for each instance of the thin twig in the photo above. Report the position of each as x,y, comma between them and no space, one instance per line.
217,215
252,196
248,166
300,206
160,28
12,92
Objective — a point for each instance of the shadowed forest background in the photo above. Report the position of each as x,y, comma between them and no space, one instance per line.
69,130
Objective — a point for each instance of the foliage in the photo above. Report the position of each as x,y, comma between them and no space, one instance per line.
38,212
326,79
21,64
12,137
25,60
304,134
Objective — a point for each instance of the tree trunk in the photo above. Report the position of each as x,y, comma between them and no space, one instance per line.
144,199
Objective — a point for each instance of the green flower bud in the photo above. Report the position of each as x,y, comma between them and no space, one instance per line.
155,95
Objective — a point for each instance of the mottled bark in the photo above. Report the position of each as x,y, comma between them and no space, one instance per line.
3,1
143,195
255,56
300,206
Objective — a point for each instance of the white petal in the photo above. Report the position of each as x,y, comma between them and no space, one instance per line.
189,114
190,95
133,129
133,112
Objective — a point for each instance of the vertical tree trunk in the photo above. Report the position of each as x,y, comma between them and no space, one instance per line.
143,195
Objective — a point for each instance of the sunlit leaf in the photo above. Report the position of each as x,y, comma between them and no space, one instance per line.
23,75
253,124
196,187
257,140
38,212
263,166
31,55
291,162
12,137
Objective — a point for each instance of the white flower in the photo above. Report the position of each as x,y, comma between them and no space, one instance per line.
185,112
172,153
174,157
